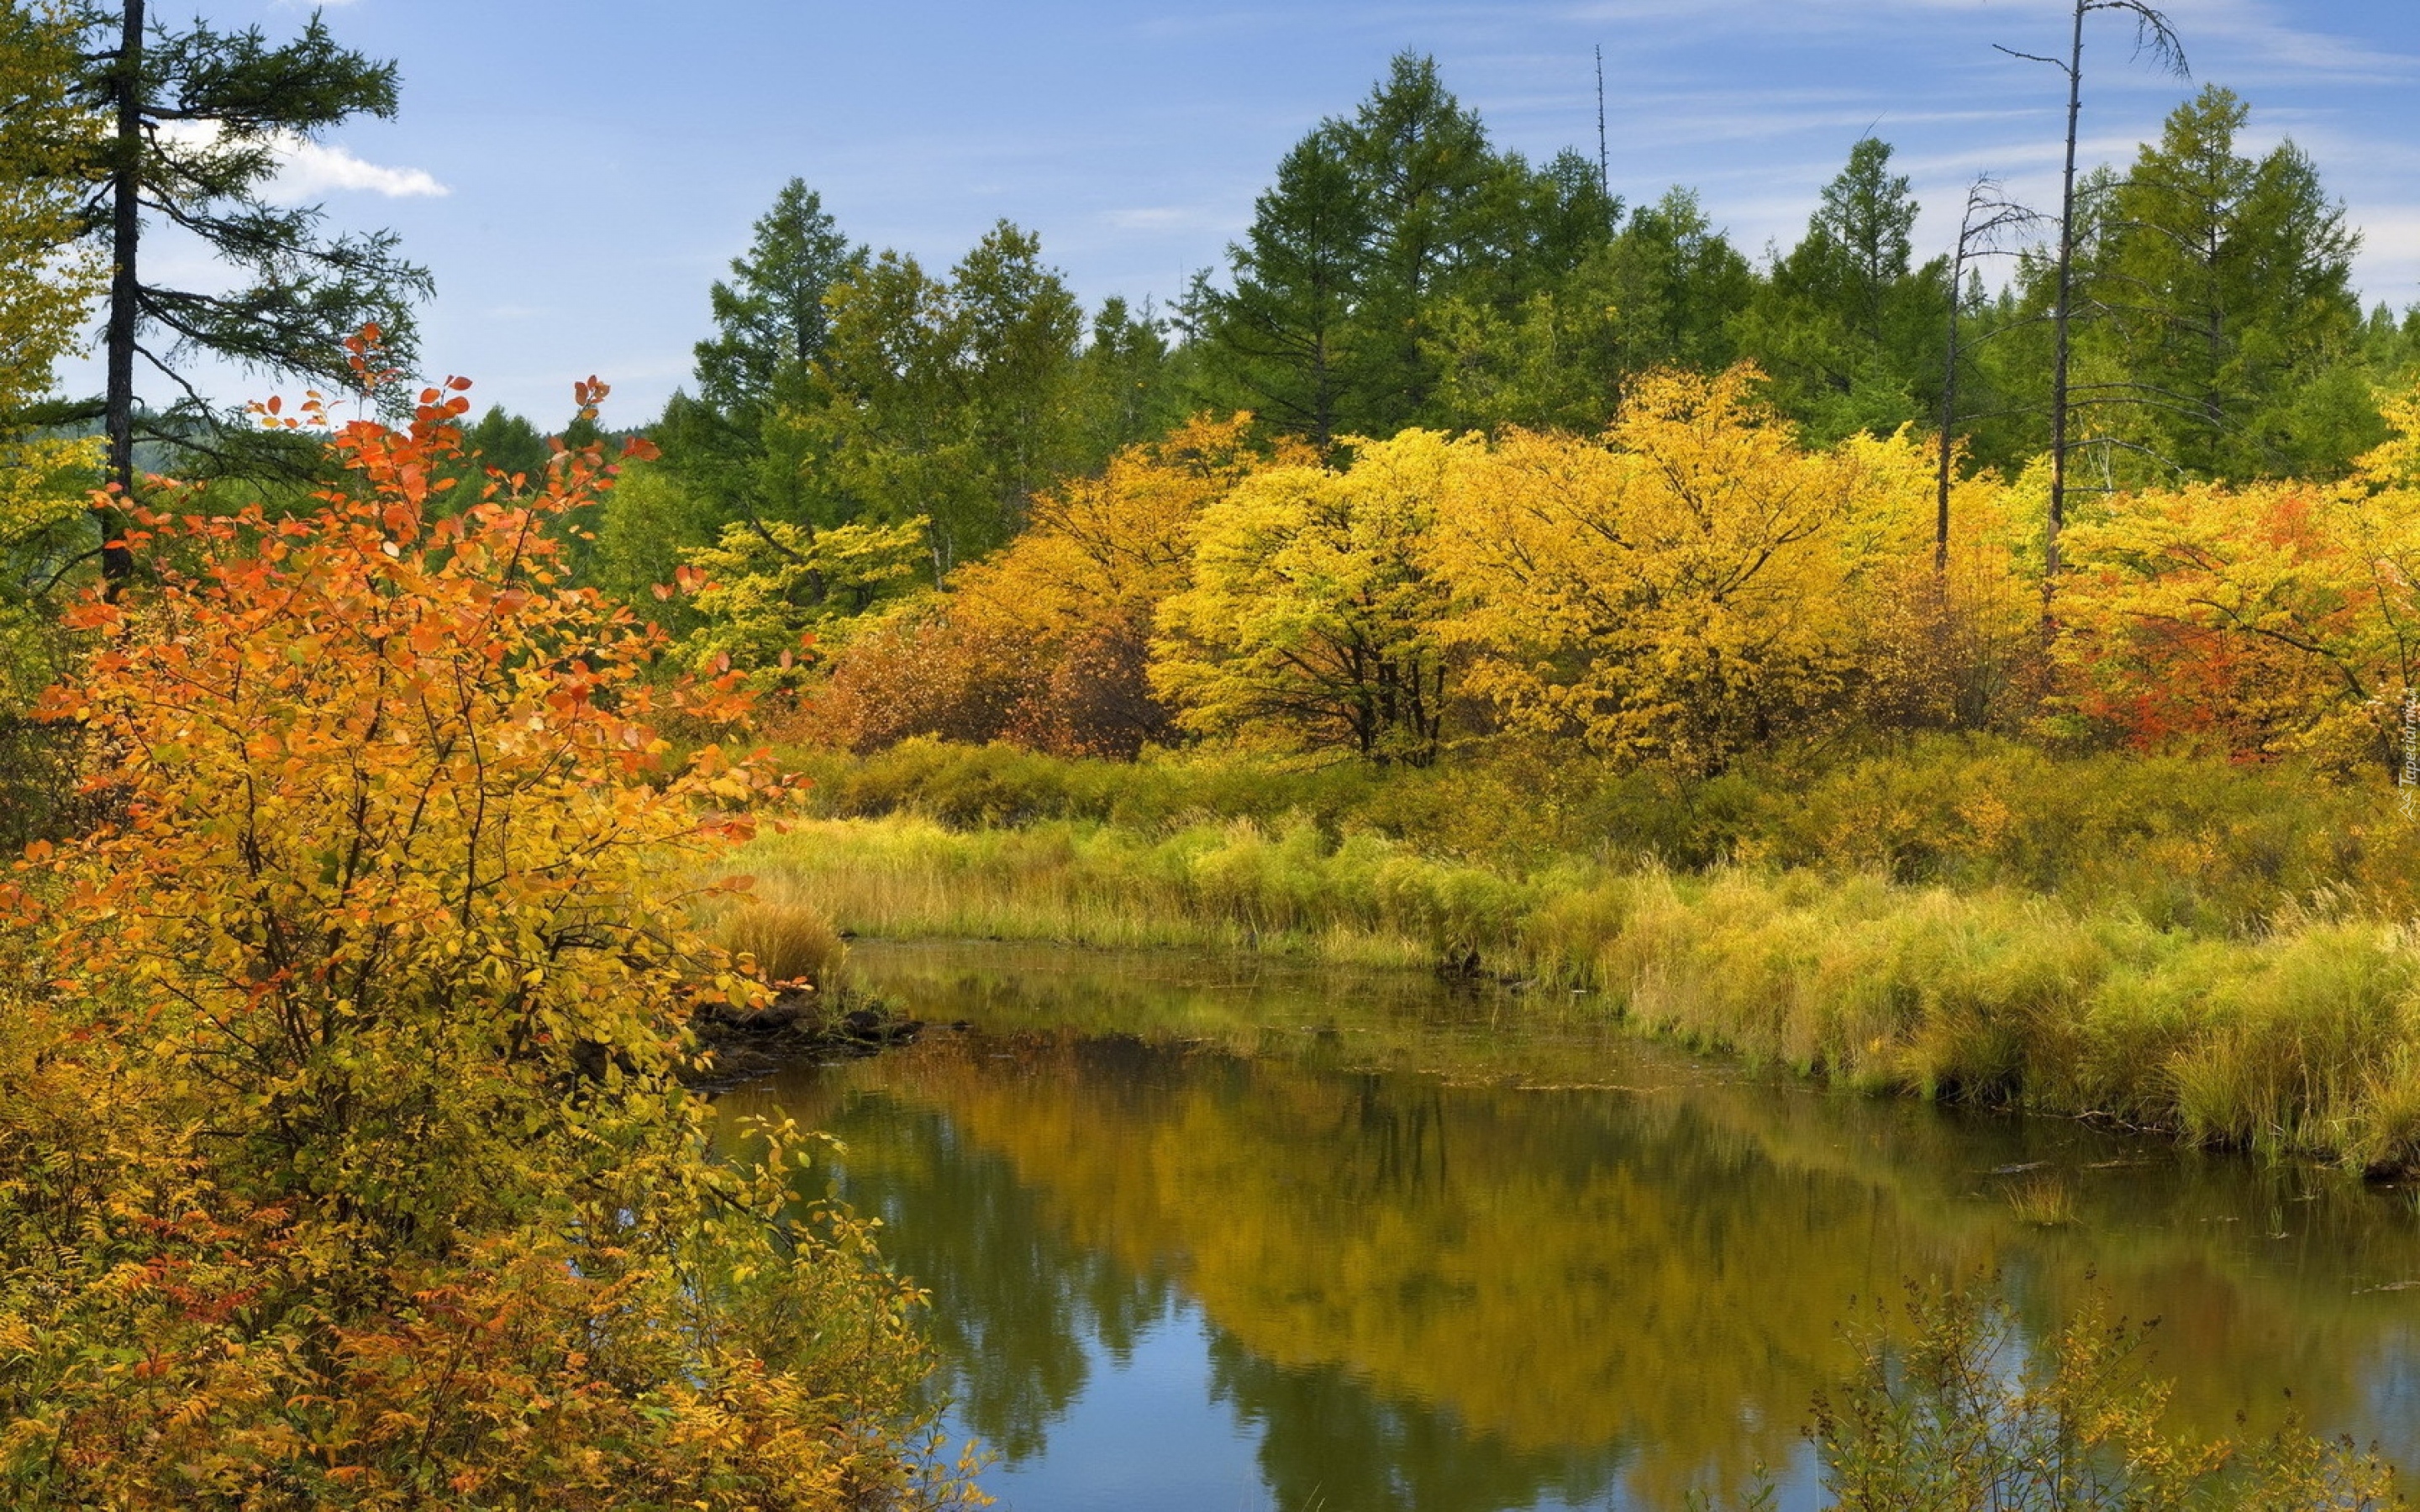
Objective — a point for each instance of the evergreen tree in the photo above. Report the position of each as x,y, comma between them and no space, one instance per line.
198,121
737,445
1017,331
1393,247
2229,341
950,400
770,319
1281,340
1124,377
1429,180
1667,292
1850,334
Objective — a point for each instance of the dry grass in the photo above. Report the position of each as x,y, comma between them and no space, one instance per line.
2042,1202
790,939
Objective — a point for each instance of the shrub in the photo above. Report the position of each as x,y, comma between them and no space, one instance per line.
1968,1412
343,1156
790,940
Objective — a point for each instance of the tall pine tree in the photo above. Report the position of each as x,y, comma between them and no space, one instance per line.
2230,336
198,122
1850,333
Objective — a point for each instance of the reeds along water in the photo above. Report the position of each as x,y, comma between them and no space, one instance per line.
2301,1039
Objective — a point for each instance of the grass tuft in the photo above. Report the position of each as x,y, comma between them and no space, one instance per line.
790,939
2042,1202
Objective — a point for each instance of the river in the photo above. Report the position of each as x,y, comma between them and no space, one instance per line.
1209,1234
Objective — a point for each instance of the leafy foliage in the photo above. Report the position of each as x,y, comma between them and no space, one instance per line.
1313,622
349,1161
1048,643
2259,620
1649,594
1970,1414
766,588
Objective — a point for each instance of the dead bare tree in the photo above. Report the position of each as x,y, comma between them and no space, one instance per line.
1988,217
2152,34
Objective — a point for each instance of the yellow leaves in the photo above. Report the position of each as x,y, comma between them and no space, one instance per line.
1675,590
2258,620
1312,620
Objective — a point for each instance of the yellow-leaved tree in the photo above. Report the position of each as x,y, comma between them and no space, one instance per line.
1678,589
1311,623
1048,643
768,588
345,1160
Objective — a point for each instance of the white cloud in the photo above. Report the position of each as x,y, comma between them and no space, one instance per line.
314,168
308,169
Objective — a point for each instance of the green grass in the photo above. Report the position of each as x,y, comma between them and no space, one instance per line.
2300,1036
2199,846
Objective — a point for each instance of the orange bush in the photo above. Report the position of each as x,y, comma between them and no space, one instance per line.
344,1157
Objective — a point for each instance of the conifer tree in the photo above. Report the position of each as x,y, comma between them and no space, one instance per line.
2227,282
769,321
737,443
1429,172
1283,338
1849,331
198,121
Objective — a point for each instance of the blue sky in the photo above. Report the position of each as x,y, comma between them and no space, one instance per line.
576,175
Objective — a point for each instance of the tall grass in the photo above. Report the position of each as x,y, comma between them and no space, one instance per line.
2300,1037
789,939
2195,845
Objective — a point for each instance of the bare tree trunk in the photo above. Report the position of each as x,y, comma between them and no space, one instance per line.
1949,408
2058,407
117,562
1603,158
2152,34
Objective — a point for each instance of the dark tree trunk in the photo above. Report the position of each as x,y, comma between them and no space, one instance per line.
2058,407
117,562
1948,409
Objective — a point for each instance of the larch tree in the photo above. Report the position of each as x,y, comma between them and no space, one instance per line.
1847,326
2227,282
1283,338
1431,178
770,320
740,445
199,122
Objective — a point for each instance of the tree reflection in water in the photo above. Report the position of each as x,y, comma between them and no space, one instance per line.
1421,1292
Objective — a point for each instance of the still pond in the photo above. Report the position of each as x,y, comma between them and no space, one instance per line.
1218,1234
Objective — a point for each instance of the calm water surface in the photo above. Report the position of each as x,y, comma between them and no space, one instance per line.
1229,1236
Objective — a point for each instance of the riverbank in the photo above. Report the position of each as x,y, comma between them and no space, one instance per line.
2280,1024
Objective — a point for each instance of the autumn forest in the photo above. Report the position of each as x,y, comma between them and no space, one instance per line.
454,855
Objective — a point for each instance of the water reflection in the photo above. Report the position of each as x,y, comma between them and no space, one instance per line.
1412,1263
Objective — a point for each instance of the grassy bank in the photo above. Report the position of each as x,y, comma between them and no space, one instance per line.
2168,988
2200,846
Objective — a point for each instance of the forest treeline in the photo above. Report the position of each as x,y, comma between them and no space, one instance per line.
1458,444
372,807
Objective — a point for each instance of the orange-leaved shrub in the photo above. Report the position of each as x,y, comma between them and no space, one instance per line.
1046,644
344,1156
